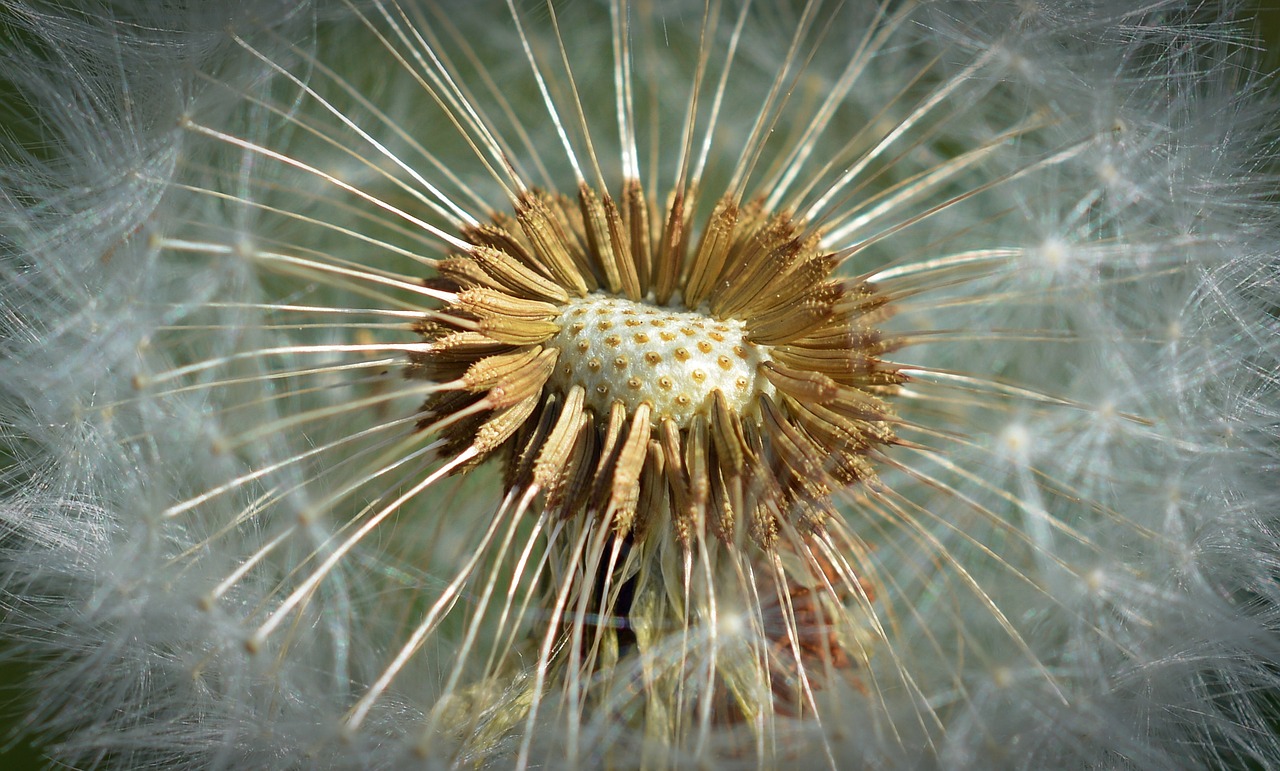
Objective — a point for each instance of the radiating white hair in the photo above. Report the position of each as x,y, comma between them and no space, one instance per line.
227,545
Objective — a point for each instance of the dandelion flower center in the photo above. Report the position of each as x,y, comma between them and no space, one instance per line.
637,364
631,352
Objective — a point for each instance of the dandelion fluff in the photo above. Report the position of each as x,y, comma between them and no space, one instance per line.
738,384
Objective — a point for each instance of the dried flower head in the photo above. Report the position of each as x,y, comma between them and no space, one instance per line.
642,384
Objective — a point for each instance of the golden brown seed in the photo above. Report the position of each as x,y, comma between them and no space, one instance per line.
781,397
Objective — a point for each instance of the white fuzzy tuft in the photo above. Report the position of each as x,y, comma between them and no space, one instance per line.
224,544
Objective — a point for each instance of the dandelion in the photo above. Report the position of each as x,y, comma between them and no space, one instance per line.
655,384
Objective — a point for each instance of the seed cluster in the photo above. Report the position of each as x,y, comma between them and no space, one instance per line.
627,369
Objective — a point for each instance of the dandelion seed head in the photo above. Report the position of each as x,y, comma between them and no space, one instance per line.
642,385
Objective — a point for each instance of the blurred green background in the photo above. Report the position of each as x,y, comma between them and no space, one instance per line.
17,751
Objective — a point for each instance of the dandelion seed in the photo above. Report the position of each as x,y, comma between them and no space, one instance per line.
721,384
